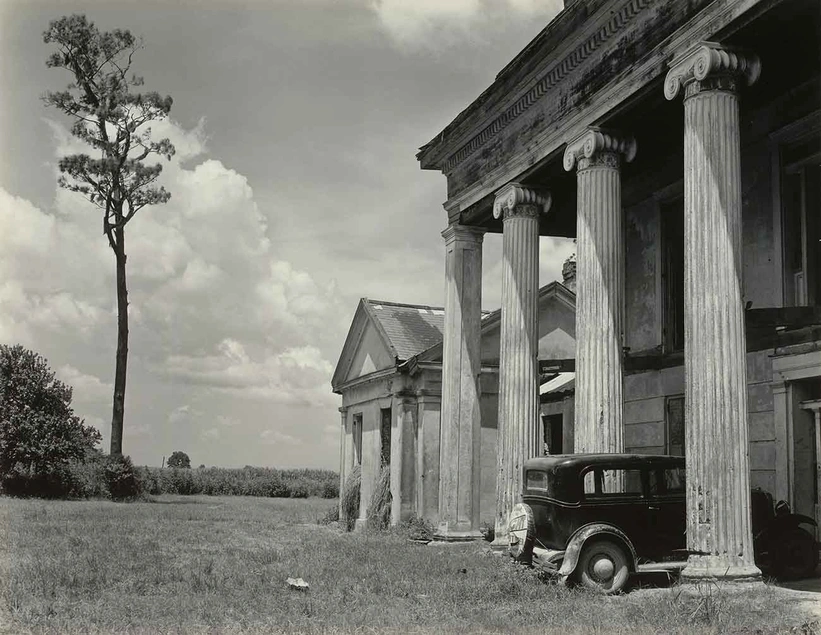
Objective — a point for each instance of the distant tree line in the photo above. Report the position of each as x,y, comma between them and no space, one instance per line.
47,451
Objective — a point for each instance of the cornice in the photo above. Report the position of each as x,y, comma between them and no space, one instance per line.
709,59
516,199
556,73
715,18
595,141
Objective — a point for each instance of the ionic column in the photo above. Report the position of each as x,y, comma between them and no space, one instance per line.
718,474
461,364
599,288
519,427
403,458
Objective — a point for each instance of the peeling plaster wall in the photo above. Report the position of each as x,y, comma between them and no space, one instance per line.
643,315
761,420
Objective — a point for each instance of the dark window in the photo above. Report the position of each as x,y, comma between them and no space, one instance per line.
385,435
801,216
552,433
669,480
601,482
672,272
674,433
356,432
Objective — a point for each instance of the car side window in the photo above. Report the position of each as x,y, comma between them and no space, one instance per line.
670,480
610,482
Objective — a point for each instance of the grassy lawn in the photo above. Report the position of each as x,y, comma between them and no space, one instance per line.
204,564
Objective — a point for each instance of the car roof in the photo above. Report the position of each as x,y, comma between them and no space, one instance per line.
579,461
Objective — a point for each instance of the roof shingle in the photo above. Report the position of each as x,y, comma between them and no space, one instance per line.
411,328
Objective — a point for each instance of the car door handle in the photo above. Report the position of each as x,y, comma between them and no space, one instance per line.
653,507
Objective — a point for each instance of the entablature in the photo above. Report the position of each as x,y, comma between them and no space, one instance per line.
565,80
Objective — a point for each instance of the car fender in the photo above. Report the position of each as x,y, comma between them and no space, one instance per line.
788,521
582,535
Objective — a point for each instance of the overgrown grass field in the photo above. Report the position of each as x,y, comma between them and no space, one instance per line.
199,564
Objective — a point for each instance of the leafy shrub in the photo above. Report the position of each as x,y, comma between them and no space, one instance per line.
179,459
88,477
379,510
330,489
349,505
330,516
246,481
417,528
121,477
40,437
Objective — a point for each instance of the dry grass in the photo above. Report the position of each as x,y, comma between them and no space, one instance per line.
218,565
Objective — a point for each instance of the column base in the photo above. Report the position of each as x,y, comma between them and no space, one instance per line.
446,532
718,569
360,524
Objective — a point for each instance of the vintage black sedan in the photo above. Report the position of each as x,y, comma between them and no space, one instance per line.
596,518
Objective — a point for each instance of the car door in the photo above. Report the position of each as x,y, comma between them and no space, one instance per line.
615,496
667,516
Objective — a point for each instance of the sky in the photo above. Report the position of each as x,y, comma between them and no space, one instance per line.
295,191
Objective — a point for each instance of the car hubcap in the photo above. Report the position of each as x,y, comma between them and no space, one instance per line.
603,569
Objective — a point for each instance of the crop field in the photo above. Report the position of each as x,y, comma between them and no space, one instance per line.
201,564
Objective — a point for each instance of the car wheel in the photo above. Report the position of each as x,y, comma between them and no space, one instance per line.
603,566
521,533
794,555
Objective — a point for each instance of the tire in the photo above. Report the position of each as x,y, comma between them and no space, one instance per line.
521,533
794,554
603,566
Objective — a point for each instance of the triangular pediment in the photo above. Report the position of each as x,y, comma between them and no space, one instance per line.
366,349
370,356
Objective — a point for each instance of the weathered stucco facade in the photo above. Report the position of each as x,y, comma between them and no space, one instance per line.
679,143
390,377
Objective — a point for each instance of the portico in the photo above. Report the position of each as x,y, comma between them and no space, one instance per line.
661,312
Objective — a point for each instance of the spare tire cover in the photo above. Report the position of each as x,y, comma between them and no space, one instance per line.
521,532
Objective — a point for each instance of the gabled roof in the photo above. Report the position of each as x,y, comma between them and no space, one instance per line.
408,329
491,319
405,329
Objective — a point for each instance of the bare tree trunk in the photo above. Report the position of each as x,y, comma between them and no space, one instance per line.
122,345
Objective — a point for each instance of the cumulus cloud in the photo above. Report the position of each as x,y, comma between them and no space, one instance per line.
434,24
87,388
294,376
274,437
221,322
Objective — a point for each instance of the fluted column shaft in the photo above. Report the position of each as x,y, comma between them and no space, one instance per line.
518,421
461,364
599,290
719,535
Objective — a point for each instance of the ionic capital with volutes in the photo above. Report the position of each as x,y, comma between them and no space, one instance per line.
516,200
599,147
709,66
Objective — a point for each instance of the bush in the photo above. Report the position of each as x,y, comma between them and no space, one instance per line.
40,437
247,481
349,504
379,510
121,477
330,516
88,477
179,459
